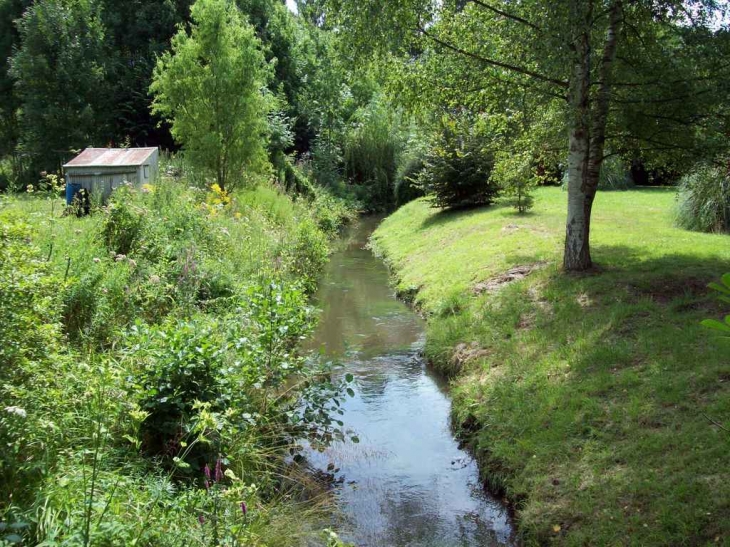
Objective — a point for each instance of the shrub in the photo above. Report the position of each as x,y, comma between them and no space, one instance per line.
307,255
330,212
517,177
124,223
704,200
458,166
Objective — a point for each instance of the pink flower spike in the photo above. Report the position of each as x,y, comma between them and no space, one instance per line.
244,508
201,519
206,470
218,471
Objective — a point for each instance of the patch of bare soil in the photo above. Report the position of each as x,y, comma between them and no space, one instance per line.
465,353
510,276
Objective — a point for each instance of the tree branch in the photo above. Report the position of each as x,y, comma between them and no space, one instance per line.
492,62
507,15
660,100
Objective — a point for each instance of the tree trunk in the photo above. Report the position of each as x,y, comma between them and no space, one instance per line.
587,139
577,254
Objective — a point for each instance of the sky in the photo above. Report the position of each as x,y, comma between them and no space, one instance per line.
292,5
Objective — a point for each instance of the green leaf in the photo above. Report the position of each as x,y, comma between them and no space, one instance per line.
717,325
350,392
349,378
719,288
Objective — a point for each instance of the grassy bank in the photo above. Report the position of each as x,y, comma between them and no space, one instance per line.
148,357
589,399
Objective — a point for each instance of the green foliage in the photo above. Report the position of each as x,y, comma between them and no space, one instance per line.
60,73
516,175
123,227
331,212
373,147
410,165
10,11
136,34
210,88
181,352
458,166
704,200
308,255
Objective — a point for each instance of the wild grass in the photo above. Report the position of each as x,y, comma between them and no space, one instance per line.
598,403
150,339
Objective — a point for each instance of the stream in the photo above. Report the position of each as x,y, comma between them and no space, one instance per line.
407,483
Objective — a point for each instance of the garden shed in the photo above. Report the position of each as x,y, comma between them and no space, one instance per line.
101,170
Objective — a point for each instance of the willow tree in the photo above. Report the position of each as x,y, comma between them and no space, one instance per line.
637,74
211,87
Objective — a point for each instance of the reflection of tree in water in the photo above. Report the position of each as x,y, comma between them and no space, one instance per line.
400,495
358,308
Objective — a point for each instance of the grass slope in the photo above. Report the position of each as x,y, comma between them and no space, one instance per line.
587,398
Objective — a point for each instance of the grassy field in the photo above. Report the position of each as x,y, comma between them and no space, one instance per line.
590,399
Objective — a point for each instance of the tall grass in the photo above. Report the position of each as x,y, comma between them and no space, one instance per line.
703,202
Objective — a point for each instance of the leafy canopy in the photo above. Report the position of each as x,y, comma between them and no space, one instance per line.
211,87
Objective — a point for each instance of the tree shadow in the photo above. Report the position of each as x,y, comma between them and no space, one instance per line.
444,216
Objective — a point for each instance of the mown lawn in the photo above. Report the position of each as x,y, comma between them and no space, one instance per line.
590,399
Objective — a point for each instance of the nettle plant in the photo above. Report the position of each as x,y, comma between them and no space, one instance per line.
723,288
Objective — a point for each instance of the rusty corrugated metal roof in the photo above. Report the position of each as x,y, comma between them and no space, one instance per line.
111,157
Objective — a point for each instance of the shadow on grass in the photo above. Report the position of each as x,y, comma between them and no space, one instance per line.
625,258
444,216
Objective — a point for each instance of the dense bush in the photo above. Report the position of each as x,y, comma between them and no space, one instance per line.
458,166
704,200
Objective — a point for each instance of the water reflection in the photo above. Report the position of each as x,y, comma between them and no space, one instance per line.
406,483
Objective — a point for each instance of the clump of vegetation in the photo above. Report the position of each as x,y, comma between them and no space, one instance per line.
517,177
723,290
458,166
704,200
155,339
411,163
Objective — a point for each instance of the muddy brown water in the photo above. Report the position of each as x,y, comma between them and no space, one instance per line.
407,483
